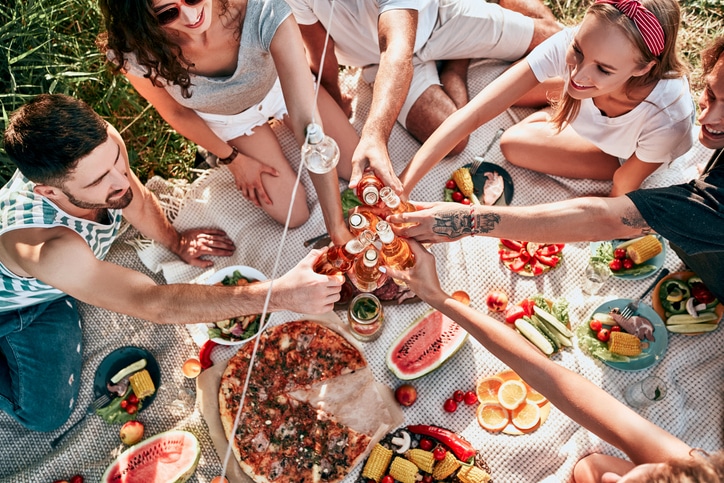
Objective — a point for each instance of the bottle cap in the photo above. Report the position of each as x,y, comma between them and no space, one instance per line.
384,232
370,259
356,220
389,197
370,195
315,135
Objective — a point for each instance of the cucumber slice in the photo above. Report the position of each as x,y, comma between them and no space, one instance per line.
538,324
604,318
559,338
135,367
533,335
686,319
691,328
557,324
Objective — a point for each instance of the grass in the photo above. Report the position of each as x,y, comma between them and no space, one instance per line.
48,46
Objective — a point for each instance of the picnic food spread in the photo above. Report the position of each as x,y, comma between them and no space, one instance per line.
283,430
686,305
236,328
528,258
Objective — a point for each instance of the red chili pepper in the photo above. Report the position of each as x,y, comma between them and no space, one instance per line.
459,446
205,354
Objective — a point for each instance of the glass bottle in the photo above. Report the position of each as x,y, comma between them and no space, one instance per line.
365,317
339,258
368,188
396,252
394,203
320,153
361,221
366,274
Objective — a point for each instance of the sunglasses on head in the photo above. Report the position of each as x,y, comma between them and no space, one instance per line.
171,12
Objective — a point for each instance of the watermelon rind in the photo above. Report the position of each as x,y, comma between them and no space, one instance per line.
449,348
150,450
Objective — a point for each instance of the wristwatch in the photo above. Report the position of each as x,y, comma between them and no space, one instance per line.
229,158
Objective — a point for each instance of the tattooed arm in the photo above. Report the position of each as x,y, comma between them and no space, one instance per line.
574,220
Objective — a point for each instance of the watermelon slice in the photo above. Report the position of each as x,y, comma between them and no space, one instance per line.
167,457
425,345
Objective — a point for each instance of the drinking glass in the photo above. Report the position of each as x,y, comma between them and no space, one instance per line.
645,392
594,277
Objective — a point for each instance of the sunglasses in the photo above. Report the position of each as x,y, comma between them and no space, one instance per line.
170,13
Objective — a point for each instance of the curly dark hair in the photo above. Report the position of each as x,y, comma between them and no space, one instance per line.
132,27
711,55
46,137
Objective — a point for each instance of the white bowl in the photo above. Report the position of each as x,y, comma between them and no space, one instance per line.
219,276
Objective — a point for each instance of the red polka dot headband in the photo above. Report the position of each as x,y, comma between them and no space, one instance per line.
645,21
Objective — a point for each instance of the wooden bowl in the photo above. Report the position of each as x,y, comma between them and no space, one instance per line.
683,276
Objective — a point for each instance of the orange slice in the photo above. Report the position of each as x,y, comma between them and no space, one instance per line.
508,375
492,417
512,394
487,389
534,397
526,417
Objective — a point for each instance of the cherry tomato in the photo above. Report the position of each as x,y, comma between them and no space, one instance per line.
628,263
426,444
132,399
76,479
387,479
603,335
458,395
457,196
124,404
439,453
615,328
471,398
450,405
619,253
465,201
615,265
427,479
595,325
131,409
451,184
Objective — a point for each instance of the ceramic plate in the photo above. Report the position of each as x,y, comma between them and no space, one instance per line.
657,261
648,357
683,276
219,276
479,182
124,357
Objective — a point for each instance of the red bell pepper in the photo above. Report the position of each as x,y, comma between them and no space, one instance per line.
508,254
551,261
512,244
205,354
552,249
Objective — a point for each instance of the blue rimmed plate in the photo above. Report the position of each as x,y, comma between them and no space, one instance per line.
657,261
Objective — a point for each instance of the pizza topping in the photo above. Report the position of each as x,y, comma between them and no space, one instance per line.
260,442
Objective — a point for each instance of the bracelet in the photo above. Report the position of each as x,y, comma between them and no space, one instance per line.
229,158
472,221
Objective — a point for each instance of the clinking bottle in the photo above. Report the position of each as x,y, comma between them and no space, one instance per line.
366,274
361,221
339,258
368,189
394,203
395,251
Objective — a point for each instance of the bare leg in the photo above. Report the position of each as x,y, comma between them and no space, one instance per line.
535,144
337,125
454,80
264,146
529,8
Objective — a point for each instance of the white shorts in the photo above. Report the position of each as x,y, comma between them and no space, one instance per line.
465,29
229,127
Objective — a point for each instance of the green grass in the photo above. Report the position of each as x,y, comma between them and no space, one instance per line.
48,46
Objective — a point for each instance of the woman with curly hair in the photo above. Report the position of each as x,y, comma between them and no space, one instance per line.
217,71
625,110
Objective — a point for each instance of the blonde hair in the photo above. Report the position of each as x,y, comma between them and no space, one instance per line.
702,468
667,65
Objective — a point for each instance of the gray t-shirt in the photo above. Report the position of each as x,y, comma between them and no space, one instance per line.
255,71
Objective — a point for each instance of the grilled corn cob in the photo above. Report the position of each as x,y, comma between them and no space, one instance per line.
473,474
624,344
377,462
446,467
464,181
423,459
403,470
644,249
142,384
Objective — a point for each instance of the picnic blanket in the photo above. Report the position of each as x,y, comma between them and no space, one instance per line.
692,367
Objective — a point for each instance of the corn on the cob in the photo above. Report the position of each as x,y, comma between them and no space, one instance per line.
462,178
644,249
403,470
377,462
473,474
446,467
423,459
624,344
142,384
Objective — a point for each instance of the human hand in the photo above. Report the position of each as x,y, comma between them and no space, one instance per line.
304,291
434,222
421,278
247,173
374,155
194,244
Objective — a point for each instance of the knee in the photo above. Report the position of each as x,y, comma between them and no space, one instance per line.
49,416
542,29
300,213
509,144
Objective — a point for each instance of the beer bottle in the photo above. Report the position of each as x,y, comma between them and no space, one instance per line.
366,275
368,189
396,252
361,221
339,258
394,203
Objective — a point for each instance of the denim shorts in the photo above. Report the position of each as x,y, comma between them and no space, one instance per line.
41,354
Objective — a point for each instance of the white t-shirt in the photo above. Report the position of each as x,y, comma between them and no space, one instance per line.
658,130
354,24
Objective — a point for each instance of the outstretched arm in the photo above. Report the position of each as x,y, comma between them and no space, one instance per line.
578,398
574,220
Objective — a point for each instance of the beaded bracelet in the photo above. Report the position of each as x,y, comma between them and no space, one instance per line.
229,158
472,220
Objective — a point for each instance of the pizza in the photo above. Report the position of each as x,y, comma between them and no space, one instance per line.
288,429
528,258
